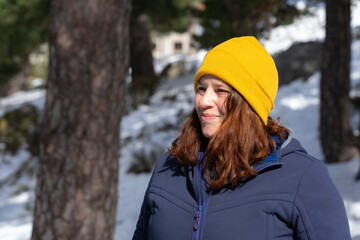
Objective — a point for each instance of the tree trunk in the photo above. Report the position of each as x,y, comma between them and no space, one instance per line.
144,80
337,139
76,193
357,178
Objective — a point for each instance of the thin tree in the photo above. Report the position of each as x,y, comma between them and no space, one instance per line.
144,79
337,139
76,194
146,16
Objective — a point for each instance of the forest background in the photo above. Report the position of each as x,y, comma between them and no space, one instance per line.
70,140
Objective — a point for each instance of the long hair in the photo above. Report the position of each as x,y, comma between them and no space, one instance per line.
241,141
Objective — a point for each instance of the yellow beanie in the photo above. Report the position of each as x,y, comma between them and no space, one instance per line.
245,65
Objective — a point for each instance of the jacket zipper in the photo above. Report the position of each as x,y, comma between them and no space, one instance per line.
198,219
201,206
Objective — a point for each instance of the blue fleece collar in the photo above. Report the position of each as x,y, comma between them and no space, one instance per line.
272,160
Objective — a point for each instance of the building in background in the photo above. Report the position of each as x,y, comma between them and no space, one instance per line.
173,43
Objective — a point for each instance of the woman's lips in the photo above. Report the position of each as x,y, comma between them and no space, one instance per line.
207,117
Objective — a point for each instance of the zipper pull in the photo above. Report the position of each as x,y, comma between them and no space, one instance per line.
197,219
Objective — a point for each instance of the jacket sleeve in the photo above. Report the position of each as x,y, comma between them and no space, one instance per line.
141,231
319,211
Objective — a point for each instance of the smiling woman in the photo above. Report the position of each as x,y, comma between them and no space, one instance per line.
234,172
211,94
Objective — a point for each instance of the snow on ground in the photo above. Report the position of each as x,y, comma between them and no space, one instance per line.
152,128
34,97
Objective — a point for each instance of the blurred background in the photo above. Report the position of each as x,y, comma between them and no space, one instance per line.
93,92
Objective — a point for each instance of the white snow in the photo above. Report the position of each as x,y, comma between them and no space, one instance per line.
152,128
34,97
304,29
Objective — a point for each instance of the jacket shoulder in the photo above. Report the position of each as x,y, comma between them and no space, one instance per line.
165,161
294,155
319,211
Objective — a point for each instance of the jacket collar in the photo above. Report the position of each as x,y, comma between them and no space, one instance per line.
274,159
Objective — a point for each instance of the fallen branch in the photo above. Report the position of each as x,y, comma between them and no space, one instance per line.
18,171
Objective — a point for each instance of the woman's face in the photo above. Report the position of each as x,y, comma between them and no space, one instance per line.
210,99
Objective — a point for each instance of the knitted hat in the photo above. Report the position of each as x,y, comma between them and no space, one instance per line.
245,65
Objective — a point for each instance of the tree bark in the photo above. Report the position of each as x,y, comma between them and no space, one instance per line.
144,80
337,139
76,194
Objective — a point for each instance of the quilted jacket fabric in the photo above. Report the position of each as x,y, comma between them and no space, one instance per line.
292,197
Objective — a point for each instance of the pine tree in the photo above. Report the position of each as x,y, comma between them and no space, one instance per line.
226,19
23,27
76,193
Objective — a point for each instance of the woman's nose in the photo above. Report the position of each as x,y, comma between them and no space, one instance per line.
208,98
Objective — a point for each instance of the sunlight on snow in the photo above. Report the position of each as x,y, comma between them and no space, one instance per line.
298,101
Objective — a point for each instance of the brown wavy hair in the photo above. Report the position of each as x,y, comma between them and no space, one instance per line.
241,141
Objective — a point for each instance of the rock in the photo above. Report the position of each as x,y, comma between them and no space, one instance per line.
301,60
174,70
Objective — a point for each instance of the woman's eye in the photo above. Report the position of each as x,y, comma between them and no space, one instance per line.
223,91
201,89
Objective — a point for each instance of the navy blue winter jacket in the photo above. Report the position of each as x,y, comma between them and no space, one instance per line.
292,197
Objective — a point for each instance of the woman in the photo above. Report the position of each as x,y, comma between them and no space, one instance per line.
234,173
